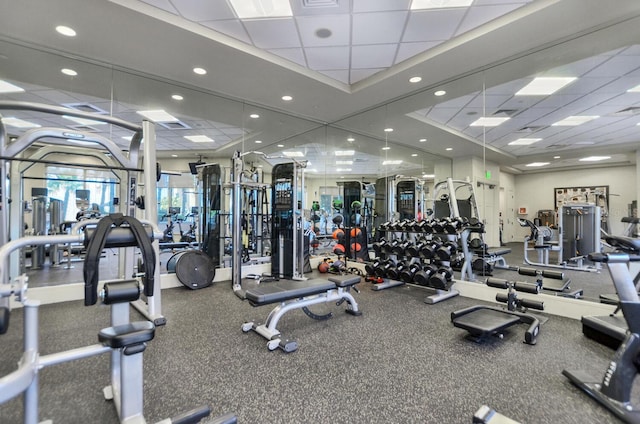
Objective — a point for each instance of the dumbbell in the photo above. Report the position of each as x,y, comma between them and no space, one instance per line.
441,278
439,226
401,248
370,268
446,251
409,272
423,227
394,272
414,249
384,267
454,225
422,276
378,246
428,251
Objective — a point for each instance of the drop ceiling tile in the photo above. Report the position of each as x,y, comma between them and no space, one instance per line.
491,102
432,25
378,28
328,58
54,96
373,56
502,2
583,85
380,5
360,74
575,69
294,55
631,50
198,11
339,25
617,66
333,7
162,4
408,50
273,33
478,15
231,27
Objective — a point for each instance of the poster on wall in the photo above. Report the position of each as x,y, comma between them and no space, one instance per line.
596,195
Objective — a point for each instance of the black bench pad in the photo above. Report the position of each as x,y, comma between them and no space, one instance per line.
127,334
485,321
345,280
492,251
286,290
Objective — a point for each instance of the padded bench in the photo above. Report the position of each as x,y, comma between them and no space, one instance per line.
493,255
298,295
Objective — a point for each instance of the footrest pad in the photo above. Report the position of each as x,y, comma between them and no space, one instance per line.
127,334
345,280
485,321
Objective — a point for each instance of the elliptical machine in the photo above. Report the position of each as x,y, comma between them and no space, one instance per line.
614,389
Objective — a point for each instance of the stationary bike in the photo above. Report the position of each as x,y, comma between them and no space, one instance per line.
614,389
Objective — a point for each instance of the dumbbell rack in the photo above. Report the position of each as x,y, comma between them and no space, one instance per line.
408,233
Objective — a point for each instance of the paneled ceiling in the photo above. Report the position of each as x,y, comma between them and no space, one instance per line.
348,86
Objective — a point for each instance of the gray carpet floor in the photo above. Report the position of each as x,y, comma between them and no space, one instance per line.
402,361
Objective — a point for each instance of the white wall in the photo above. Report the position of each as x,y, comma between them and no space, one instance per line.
536,191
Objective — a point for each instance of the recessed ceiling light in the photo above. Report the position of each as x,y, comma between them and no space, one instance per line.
280,145
635,89
343,169
258,141
254,116
251,9
200,71
177,97
414,155
422,140
388,130
69,72
344,162
287,98
158,115
386,148
65,30
414,80
199,138
293,154
572,121
489,121
345,152
439,4
448,149
174,156
524,141
440,93
556,157
7,87
19,123
391,162
535,164
544,86
353,139
83,121
594,158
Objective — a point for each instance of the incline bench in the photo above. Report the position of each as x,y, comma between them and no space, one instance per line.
298,295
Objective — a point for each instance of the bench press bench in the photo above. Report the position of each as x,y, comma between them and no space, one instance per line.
298,295
493,255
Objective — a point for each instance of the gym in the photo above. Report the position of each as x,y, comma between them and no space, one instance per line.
319,211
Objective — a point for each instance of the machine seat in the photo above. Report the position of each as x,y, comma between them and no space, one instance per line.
127,334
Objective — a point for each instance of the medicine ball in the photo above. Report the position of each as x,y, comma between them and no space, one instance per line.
356,247
323,267
355,232
339,249
338,234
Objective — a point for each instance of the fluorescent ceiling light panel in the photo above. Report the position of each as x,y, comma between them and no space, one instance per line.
293,154
391,162
439,4
7,87
344,162
19,123
310,170
252,9
157,115
345,152
489,121
199,138
524,141
343,170
572,121
428,176
535,164
83,121
594,158
635,89
544,86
